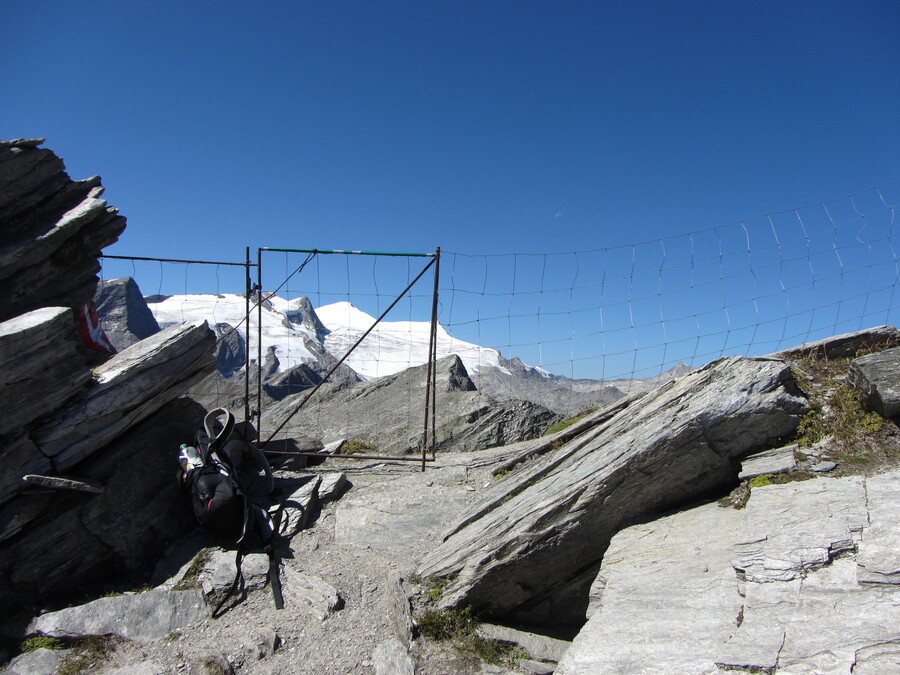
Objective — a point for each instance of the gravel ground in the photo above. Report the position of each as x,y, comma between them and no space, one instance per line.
254,637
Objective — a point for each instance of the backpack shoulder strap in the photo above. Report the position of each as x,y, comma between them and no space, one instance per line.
217,437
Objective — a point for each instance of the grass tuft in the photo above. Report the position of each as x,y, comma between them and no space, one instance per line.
565,424
458,626
356,446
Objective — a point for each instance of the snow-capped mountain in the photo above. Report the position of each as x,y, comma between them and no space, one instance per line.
287,326
298,339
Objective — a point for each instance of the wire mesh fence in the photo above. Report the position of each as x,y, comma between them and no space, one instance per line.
531,323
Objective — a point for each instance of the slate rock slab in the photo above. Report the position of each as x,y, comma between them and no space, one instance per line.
809,606
777,460
391,657
41,367
140,616
38,662
781,586
528,550
666,598
131,386
311,594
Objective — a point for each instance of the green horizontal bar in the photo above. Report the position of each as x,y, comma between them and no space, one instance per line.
319,250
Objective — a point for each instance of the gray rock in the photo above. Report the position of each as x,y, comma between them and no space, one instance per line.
299,507
803,541
263,642
877,377
148,667
132,385
536,667
878,551
51,229
230,352
399,614
140,616
41,367
391,657
525,551
540,647
219,571
790,618
333,485
211,663
665,599
123,312
778,460
823,467
780,586
19,458
845,345
76,541
312,595
878,660
37,662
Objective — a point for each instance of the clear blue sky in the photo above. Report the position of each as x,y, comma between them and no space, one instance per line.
479,127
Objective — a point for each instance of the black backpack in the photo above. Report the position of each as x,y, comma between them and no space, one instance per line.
227,493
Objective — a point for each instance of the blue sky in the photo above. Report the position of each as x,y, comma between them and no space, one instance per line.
479,127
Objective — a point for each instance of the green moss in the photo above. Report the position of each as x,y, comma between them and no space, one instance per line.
40,642
446,624
88,652
761,481
436,589
191,579
458,626
565,424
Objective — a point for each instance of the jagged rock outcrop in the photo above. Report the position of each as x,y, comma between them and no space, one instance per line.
51,230
231,353
784,585
58,415
129,387
388,412
529,552
66,543
124,312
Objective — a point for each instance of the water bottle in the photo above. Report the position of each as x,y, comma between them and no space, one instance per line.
189,457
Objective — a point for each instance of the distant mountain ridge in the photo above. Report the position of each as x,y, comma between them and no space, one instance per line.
298,340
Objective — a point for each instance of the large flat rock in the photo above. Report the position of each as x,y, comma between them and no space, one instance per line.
529,549
665,600
785,585
139,616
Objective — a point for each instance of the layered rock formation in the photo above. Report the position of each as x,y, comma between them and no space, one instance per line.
52,231
58,415
528,552
805,579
